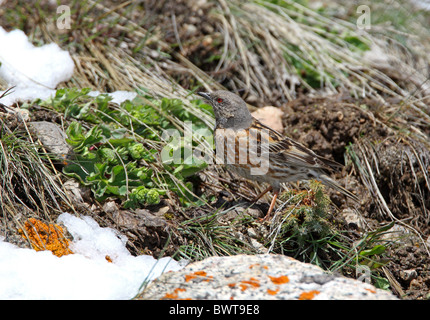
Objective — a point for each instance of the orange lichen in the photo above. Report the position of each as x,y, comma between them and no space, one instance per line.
308,295
258,265
279,280
174,295
252,282
189,277
370,290
243,287
209,278
245,284
44,236
273,292
170,296
108,259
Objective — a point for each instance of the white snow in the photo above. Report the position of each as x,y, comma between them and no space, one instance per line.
422,4
117,97
35,71
85,274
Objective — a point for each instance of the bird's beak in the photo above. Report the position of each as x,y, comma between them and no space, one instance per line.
205,95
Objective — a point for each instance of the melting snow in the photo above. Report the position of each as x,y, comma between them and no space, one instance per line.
86,274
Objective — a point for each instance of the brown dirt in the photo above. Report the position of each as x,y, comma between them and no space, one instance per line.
328,125
410,266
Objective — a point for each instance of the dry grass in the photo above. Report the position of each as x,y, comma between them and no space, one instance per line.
287,46
30,185
396,174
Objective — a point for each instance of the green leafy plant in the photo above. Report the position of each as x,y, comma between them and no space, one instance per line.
117,148
142,196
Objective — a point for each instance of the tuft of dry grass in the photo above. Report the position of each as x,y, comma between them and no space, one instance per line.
281,49
395,172
30,185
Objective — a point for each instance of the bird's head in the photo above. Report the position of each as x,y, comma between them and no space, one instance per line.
230,110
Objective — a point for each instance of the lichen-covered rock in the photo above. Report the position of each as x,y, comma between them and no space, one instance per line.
258,277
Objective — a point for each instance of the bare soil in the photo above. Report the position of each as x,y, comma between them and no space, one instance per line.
328,125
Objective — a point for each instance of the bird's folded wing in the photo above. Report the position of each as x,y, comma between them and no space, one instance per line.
295,154
290,152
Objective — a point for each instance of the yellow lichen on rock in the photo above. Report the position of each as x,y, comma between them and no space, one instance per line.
43,236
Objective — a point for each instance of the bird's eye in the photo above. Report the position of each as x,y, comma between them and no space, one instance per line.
219,100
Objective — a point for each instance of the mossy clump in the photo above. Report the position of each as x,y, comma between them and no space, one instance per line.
306,226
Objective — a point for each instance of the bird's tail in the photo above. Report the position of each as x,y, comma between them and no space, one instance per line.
326,180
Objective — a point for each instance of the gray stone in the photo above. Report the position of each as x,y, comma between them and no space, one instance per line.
258,277
53,138
353,217
408,275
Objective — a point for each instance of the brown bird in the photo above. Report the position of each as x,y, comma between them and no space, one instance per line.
259,153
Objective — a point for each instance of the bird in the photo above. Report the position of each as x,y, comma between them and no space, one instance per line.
287,159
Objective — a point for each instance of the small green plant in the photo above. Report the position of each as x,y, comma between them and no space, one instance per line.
369,252
305,229
372,253
309,232
117,148
143,196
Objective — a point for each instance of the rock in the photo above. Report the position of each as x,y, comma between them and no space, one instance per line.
240,211
190,30
53,138
137,220
258,246
150,219
111,207
353,218
77,193
254,212
271,117
258,277
408,275
251,233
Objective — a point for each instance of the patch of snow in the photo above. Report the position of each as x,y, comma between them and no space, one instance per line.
117,96
422,4
35,71
85,274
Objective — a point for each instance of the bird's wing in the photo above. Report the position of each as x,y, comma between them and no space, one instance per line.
292,152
